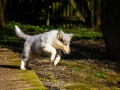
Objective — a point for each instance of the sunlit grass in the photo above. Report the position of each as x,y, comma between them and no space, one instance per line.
80,32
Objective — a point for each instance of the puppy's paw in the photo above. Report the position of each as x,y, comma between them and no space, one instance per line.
55,62
23,68
52,58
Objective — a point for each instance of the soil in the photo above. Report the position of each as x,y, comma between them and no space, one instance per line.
86,68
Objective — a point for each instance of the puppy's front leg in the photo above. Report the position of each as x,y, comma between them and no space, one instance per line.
58,57
48,48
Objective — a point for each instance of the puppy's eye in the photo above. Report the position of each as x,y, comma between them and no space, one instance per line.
66,43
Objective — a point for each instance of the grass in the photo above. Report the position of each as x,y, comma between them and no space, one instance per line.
99,74
80,32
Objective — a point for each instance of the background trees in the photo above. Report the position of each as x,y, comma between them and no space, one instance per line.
2,10
52,12
111,27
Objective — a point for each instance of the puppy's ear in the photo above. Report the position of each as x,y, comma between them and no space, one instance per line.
59,35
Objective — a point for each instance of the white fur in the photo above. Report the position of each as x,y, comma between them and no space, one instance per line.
46,43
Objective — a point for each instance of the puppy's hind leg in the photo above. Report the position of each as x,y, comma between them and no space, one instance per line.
25,57
27,64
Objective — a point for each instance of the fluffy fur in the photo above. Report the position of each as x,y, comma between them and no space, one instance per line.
50,43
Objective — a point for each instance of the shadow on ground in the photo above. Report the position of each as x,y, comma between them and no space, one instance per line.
10,66
79,49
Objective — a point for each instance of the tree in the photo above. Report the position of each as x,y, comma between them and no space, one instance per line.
91,12
111,27
77,12
97,13
2,18
92,24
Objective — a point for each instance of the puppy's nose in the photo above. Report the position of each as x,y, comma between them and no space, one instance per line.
68,52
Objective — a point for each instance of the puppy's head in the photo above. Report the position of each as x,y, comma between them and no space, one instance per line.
65,39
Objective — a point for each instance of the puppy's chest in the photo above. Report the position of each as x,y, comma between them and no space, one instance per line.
55,46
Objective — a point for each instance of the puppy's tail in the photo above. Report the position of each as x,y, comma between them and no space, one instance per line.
20,33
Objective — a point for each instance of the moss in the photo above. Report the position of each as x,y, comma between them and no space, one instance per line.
36,88
27,77
15,62
30,77
71,64
77,87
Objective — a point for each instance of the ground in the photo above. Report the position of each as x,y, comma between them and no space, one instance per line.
12,78
86,68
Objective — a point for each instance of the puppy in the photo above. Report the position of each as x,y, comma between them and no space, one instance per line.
49,43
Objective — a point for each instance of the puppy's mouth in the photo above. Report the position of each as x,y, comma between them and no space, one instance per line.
64,51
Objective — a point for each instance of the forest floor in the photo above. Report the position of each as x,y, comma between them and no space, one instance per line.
86,68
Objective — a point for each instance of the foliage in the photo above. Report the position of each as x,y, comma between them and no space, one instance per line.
100,73
80,32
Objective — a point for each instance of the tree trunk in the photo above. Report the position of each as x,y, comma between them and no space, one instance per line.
77,12
92,14
97,12
2,18
90,11
47,13
111,27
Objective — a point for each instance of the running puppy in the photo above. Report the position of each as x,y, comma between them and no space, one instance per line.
50,43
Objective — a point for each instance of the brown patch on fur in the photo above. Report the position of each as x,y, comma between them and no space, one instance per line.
59,35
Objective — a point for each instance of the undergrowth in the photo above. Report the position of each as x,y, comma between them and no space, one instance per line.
80,32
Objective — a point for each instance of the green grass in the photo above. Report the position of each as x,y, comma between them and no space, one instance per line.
80,32
99,74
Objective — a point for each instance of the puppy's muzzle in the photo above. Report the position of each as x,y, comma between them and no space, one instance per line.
66,50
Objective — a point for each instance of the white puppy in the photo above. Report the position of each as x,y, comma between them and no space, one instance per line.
51,43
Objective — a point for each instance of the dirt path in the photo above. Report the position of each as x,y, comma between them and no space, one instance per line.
12,78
